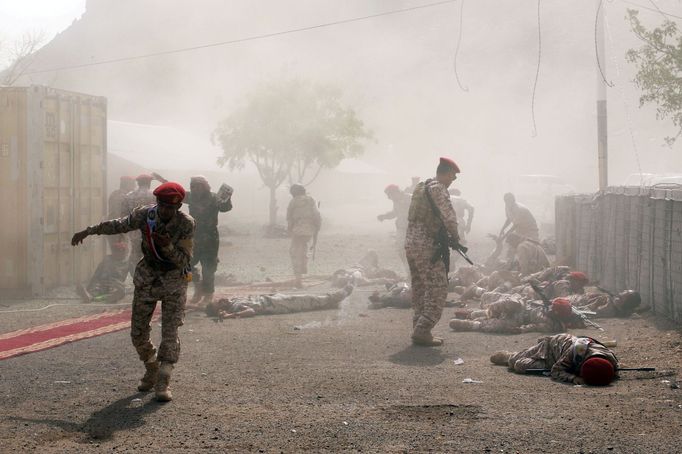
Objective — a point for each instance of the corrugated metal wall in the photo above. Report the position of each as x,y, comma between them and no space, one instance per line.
626,238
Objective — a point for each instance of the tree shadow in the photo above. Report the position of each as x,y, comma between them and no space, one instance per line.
418,356
104,423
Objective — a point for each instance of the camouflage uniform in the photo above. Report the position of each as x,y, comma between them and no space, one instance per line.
397,295
137,198
601,303
523,221
116,199
429,276
205,210
303,219
157,280
277,303
556,353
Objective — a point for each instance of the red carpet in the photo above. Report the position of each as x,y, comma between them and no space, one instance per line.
42,337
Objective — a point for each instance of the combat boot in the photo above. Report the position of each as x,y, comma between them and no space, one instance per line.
162,388
149,380
425,339
501,358
464,325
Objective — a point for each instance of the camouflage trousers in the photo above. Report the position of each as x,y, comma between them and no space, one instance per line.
298,251
151,286
208,258
429,288
530,358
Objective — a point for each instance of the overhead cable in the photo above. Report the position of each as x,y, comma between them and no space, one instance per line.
239,40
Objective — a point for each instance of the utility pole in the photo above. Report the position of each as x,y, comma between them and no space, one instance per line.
602,120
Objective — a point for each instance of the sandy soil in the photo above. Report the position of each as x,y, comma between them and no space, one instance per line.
345,380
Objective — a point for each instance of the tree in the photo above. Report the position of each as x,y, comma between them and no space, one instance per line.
290,131
21,56
659,72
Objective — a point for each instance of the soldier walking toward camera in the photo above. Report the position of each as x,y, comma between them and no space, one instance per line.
162,275
431,231
204,207
303,223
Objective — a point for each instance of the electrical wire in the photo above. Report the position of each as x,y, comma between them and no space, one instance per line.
239,40
596,47
459,41
537,75
656,10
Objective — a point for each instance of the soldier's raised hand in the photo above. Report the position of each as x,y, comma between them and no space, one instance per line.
78,237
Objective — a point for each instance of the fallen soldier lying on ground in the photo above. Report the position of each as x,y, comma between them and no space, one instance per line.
570,359
398,295
107,283
277,303
512,315
366,272
603,305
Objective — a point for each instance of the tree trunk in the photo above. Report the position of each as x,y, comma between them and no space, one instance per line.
273,206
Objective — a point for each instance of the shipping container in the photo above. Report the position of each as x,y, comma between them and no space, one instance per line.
53,148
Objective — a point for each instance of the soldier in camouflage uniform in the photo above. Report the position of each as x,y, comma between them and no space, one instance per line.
570,359
530,255
303,223
622,305
277,303
116,198
142,196
431,231
204,207
401,208
162,275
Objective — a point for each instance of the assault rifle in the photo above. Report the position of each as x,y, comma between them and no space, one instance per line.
581,314
636,369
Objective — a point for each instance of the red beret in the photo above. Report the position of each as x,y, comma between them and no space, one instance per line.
562,307
391,188
144,177
597,371
450,163
578,276
170,193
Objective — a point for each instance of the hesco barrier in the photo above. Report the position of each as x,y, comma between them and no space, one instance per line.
626,238
53,182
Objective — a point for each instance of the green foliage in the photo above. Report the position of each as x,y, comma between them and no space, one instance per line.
291,130
659,72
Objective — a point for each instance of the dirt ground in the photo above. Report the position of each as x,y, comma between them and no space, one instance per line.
343,380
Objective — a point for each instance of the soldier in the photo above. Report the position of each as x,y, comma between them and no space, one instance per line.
431,231
530,255
398,295
303,223
366,272
142,196
520,218
204,206
107,284
162,275
622,305
277,303
570,359
116,199
461,206
401,207
510,315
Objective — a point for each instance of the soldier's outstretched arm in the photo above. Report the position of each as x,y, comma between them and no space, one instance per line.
561,369
134,221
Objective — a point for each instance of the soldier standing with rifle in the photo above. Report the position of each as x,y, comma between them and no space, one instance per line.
303,223
431,232
161,275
